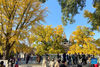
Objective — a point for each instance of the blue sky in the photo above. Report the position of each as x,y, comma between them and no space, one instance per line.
54,17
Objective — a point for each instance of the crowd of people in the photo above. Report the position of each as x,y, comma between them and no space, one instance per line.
59,60
76,58
14,61
66,60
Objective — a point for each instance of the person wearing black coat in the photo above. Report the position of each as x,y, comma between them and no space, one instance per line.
63,64
27,59
64,57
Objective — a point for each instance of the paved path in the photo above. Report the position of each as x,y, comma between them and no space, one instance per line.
39,65
35,64
30,65
76,65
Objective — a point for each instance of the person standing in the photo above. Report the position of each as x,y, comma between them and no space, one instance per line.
38,58
24,56
64,57
99,60
44,63
58,56
69,59
79,56
76,58
83,58
63,64
73,58
2,64
16,65
51,63
12,61
27,58
89,61
57,64
48,58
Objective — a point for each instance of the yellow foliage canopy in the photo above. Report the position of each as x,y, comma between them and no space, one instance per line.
83,41
17,17
49,38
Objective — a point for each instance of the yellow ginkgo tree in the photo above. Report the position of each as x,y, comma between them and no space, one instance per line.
48,39
16,19
83,41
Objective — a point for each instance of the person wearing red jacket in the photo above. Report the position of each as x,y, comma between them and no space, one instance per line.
16,65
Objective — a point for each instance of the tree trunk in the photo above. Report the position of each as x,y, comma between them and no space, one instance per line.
6,54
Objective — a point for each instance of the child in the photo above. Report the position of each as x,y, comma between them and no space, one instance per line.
16,65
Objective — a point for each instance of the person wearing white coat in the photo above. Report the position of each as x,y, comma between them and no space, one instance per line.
51,64
57,63
44,63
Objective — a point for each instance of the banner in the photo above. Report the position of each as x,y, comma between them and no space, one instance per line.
94,61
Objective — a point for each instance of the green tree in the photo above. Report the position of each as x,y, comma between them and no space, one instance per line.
97,42
16,19
70,8
94,18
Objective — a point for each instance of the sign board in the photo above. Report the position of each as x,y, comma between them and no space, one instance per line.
94,61
5,62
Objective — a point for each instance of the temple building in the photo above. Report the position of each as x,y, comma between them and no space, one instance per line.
66,44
